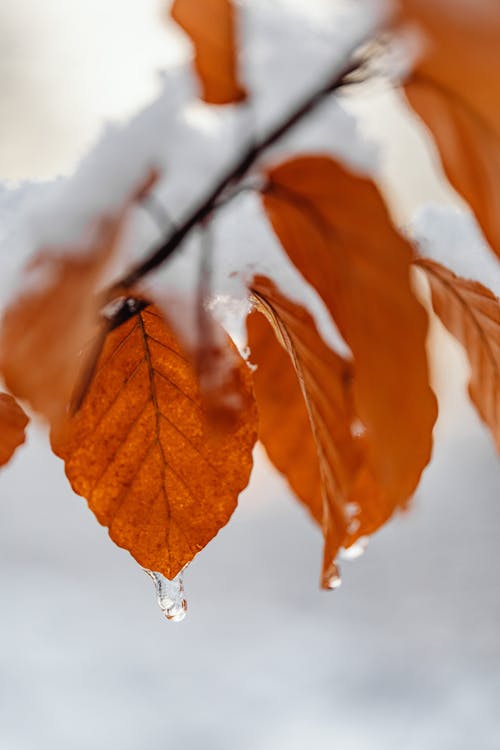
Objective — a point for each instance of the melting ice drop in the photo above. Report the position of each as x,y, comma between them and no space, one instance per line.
170,595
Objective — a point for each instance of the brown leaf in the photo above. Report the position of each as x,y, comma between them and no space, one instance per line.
337,232
307,422
13,422
140,450
301,388
455,90
472,314
46,326
211,26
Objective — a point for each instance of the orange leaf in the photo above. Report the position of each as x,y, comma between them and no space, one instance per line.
337,232
45,327
455,90
153,469
13,422
307,422
304,409
472,314
211,26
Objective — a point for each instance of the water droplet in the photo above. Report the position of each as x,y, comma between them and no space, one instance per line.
110,310
133,304
355,550
170,595
352,509
353,525
357,428
331,577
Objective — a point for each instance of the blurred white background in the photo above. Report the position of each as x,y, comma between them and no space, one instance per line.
405,655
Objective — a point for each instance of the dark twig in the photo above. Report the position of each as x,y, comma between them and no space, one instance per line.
233,175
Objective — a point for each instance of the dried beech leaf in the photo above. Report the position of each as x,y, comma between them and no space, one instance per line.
211,26
141,451
45,327
336,230
472,314
454,88
308,424
302,392
13,422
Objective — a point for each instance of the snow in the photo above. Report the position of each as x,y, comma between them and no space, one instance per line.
451,236
191,144
288,46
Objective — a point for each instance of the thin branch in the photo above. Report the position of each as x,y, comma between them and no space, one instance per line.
233,175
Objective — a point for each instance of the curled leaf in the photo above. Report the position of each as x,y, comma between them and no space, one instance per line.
211,26
304,410
13,422
141,451
308,422
472,314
